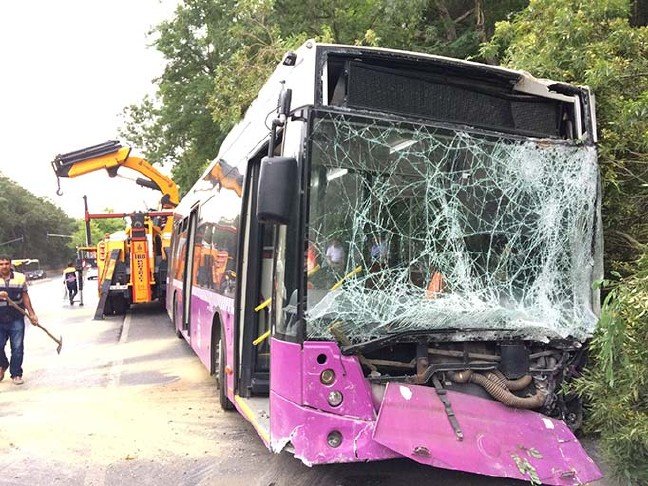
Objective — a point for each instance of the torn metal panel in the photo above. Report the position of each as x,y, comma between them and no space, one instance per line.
497,440
419,228
307,429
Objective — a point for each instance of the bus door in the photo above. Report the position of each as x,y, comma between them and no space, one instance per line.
188,274
256,291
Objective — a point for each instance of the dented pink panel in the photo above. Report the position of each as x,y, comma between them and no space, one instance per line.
286,370
202,314
349,380
498,440
307,430
205,305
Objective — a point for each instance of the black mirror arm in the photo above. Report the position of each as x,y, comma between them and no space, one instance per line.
283,109
273,135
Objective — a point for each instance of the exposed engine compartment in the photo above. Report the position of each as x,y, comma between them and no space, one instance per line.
525,375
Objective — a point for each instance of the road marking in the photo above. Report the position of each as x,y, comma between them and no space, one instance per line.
114,375
125,329
96,474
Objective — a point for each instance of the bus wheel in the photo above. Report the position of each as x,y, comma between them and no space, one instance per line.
175,316
220,378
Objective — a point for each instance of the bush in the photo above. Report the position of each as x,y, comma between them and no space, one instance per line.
616,383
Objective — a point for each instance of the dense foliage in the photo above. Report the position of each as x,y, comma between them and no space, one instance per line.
177,126
616,384
592,43
31,218
99,228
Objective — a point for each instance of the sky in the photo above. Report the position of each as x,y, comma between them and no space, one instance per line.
68,68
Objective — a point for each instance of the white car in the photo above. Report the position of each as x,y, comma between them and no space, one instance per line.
92,273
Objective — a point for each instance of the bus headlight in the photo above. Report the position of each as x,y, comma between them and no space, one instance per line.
334,439
335,398
327,377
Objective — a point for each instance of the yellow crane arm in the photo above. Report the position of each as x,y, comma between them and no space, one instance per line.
111,156
169,189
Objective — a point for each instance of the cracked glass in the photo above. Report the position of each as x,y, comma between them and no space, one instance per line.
415,227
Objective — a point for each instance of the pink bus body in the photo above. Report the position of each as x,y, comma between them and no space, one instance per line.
355,364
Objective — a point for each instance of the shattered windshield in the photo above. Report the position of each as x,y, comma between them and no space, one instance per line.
424,228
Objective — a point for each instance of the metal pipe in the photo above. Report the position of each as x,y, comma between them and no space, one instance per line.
87,222
497,390
513,385
461,354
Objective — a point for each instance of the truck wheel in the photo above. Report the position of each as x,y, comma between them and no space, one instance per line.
162,300
108,308
119,305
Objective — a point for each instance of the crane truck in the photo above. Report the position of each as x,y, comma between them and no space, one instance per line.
132,264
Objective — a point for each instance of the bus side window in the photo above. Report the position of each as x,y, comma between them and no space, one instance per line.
197,254
178,258
204,240
223,264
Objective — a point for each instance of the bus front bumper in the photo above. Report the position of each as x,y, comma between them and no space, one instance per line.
412,422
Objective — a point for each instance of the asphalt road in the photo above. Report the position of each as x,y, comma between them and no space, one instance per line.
126,402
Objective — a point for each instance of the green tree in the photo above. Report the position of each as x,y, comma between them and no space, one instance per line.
219,52
99,228
259,47
445,27
616,384
266,29
29,219
592,43
177,126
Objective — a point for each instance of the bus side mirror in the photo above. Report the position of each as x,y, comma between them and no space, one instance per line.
277,189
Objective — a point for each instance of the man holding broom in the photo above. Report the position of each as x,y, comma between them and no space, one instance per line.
13,285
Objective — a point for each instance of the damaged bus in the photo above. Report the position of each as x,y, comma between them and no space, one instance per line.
393,255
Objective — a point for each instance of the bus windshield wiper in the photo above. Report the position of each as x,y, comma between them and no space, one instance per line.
378,343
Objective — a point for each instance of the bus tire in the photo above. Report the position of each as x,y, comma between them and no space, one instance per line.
225,402
175,316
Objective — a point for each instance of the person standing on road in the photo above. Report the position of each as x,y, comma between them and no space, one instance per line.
13,285
70,280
